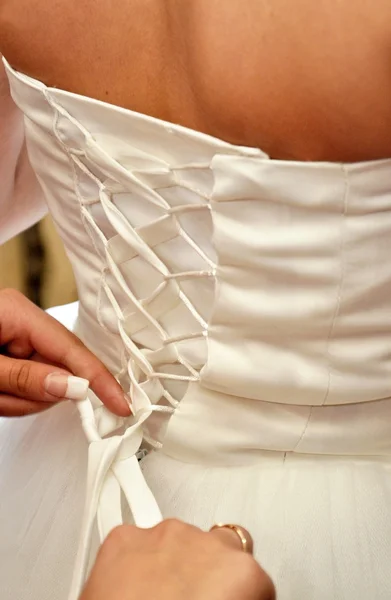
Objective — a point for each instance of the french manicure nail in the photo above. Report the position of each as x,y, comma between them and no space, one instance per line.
66,386
77,388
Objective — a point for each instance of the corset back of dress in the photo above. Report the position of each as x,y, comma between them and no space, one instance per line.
256,293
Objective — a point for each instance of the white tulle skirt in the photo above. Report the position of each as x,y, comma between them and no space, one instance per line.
322,525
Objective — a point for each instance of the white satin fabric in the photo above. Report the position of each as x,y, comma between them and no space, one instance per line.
244,303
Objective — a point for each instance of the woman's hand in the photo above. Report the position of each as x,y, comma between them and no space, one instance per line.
42,363
174,561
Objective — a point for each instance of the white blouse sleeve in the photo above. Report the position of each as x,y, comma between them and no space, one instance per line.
21,199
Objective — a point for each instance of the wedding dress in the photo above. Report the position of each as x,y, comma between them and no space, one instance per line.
245,305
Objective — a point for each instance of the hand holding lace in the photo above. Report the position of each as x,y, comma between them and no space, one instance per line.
175,561
42,363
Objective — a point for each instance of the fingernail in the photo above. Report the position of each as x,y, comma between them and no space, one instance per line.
128,403
77,388
66,386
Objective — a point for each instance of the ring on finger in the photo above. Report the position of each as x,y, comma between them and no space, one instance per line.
243,535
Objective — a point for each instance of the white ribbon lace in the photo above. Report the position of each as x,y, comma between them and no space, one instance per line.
114,472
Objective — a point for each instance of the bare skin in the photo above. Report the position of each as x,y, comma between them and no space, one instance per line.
37,356
304,80
308,82
152,563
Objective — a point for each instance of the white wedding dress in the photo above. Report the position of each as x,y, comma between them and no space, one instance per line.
245,304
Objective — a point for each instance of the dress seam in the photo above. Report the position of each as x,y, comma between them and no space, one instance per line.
341,281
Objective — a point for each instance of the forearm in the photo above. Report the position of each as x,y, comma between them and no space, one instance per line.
21,199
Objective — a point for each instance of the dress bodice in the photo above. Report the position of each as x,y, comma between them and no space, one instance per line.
210,272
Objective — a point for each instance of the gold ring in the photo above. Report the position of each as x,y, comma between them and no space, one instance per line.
243,535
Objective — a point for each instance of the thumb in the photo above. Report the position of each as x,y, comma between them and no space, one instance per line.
26,380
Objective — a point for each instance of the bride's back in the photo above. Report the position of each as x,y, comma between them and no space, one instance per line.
243,302
302,80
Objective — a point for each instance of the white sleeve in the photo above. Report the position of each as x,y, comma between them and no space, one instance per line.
21,199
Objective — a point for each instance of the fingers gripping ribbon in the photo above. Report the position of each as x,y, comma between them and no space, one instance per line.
113,472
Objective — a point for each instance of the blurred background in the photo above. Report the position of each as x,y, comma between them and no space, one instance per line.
36,264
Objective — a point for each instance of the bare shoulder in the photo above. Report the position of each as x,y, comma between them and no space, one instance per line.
119,55
23,25
44,35
309,83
